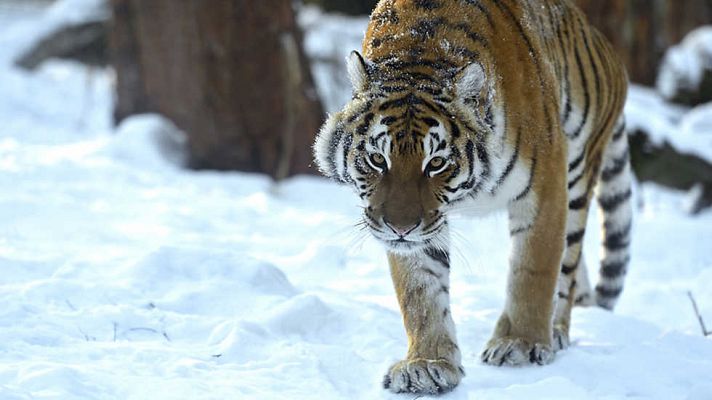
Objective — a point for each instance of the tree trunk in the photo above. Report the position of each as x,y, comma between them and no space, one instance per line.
231,74
641,30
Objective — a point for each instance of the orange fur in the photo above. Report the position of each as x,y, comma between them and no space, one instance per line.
489,104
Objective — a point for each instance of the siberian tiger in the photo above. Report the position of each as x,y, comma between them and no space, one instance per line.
485,104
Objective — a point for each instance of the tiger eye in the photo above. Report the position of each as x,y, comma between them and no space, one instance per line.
437,162
378,162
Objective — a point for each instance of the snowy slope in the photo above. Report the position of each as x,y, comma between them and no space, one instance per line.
125,277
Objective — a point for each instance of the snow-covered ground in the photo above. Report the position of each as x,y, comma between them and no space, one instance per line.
123,276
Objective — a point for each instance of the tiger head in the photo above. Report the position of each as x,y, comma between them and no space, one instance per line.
407,143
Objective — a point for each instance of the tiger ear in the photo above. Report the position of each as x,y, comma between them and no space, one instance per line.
470,81
358,69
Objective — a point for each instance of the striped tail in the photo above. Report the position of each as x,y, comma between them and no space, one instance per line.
614,199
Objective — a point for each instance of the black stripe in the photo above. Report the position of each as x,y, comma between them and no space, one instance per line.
435,229
510,164
360,112
426,28
473,36
576,180
580,299
400,65
575,163
331,157
619,133
348,141
433,222
408,99
394,89
389,120
465,53
363,127
578,203
427,4
360,169
586,95
568,270
564,37
470,154
594,68
618,166
606,296
521,230
608,293
388,15
431,122
431,272
378,137
618,240
454,129
575,237
614,269
483,157
485,11
611,204
527,189
555,22
438,255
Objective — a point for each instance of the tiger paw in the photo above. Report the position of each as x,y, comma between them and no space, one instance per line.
561,338
516,351
422,376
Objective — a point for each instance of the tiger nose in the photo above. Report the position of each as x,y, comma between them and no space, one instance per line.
400,230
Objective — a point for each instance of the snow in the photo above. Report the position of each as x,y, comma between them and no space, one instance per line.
684,65
127,277
687,130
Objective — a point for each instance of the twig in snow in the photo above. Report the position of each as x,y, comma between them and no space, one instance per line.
705,332
86,336
70,305
151,330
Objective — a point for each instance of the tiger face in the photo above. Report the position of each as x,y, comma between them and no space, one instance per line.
407,148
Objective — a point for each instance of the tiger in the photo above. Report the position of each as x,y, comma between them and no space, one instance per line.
473,106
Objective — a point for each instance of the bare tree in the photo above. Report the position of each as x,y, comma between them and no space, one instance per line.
230,73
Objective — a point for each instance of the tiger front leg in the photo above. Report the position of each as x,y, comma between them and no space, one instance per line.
432,365
523,334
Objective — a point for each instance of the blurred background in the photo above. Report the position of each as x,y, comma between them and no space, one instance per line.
249,81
